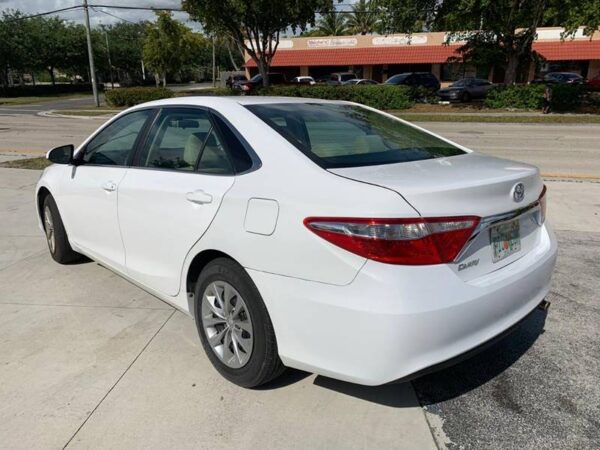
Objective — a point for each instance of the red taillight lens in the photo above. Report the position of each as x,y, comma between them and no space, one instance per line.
416,241
542,201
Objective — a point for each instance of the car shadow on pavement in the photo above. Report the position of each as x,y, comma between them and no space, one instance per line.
453,381
461,378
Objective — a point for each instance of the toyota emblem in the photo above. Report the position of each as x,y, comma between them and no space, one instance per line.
519,192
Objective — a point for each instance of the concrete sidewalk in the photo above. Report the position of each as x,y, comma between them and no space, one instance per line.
90,361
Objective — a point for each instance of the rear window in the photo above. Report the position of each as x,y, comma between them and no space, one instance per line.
336,136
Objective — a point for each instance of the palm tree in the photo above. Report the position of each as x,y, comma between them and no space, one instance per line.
364,18
330,24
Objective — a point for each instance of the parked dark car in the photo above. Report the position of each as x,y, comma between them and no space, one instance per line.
359,81
466,90
257,80
560,78
415,79
338,78
231,80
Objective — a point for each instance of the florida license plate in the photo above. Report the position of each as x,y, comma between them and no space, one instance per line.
505,239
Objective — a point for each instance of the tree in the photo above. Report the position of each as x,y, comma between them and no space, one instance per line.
125,42
331,23
506,28
167,46
255,25
364,18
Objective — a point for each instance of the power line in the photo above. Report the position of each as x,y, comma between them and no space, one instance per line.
112,15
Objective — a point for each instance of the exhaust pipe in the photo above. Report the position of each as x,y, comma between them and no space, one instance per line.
544,305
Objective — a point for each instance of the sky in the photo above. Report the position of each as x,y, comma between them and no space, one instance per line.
97,17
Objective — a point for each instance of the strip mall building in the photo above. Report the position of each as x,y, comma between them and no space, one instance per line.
380,57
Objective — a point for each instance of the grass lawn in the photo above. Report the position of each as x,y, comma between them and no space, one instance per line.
504,118
102,111
39,99
29,163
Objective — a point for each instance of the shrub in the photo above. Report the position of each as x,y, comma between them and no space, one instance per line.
530,96
46,89
136,95
565,97
376,96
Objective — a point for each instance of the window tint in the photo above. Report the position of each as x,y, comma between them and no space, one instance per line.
176,140
336,135
238,154
213,159
347,76
113,145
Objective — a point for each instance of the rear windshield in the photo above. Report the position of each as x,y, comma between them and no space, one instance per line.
336,136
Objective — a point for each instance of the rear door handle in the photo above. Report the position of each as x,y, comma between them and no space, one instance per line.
199,197
109,186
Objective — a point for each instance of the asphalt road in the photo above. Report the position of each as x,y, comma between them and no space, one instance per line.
33,109
91,361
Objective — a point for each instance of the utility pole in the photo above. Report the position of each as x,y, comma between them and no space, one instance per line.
112,81
90,53
214,66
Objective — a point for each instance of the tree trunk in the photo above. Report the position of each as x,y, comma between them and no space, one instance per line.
51,70
235,66
156,80
263,68
164,79
33,78
510,76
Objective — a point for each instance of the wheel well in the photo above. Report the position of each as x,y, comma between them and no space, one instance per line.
42,194
198,263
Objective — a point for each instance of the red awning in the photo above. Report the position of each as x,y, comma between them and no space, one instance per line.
362,56
568,50
418,54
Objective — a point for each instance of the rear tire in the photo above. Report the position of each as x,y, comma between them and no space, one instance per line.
56,236
234,325
466,97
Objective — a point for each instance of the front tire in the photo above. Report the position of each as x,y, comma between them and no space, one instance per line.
56,236
234,325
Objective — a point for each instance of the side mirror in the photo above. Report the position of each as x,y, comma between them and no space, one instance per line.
61,155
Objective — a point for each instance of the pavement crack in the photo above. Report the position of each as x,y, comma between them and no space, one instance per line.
118,380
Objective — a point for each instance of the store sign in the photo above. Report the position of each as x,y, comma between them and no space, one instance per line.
331,42
555,35
283,43
400,40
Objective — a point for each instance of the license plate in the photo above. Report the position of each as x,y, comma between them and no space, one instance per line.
505,239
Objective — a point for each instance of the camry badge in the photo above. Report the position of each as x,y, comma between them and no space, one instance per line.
519,192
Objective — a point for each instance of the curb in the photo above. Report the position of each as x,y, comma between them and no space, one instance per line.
53,113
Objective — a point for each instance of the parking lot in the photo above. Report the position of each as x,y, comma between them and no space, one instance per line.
90,361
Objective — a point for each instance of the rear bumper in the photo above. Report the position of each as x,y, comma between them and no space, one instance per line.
394,321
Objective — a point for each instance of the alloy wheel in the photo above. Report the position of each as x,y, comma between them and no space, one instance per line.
49,227
227,324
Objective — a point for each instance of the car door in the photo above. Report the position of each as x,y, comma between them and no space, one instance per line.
89,194
169,197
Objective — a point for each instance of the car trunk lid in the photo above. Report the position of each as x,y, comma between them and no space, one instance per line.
466,185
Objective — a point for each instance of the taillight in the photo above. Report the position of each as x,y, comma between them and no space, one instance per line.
417,241
542,201
245,87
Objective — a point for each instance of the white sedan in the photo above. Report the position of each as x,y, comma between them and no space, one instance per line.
325,236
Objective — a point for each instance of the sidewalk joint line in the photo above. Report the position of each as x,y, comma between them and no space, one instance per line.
118,380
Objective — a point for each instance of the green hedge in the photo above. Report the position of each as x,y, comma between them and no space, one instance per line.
46,89
565,97
376,96
136,95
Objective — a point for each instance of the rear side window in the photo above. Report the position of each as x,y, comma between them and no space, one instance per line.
176,139
238,154
114,144
336,136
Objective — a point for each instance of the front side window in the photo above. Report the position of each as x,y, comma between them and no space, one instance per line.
115,143
336,136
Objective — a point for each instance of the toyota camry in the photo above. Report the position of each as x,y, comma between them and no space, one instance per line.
320,235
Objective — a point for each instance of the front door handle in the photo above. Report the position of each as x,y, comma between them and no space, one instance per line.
199,197
109,186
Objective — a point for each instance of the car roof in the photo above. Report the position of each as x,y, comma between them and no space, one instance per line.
215,101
